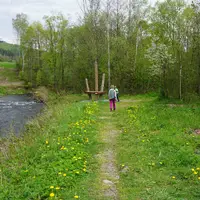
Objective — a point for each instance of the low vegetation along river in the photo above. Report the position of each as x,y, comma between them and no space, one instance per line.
15,111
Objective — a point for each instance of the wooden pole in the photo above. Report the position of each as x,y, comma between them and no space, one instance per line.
87,85
96,77
103,83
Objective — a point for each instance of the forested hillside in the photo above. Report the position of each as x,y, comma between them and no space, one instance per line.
8,51
140,48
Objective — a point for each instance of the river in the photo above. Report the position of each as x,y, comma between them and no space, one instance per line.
15,112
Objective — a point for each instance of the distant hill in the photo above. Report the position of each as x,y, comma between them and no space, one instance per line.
8,51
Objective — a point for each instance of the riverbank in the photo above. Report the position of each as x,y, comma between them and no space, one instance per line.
54,156
146,149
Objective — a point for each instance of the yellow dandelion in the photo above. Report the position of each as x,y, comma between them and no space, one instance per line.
60,173
84,170
199,178
47,142
51,187
64,174
173,177
52,194
193,170
198,169
57,188
76,197
195,173
62,148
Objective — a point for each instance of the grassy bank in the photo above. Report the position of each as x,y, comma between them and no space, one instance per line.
8,64
54,159
11,90
159,151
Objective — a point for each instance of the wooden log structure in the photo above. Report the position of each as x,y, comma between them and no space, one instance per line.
97,93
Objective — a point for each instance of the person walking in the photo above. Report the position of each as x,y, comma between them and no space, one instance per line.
112,96
117,93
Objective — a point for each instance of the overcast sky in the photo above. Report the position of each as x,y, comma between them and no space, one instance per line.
35,9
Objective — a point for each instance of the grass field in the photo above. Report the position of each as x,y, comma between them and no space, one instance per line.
8,64
160,150
156,147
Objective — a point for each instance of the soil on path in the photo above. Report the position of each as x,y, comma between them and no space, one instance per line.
108,172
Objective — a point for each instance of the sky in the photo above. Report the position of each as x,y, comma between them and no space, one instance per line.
35,9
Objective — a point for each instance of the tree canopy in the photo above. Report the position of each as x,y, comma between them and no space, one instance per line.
140,48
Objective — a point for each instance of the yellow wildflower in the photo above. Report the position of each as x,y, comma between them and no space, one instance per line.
195,173
193,170
198,178
62,148
57,188
84,170
47,142
60,173
76,197
198,169
64,174
173,177
52,195
51,187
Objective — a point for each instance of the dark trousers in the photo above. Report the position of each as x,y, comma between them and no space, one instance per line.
118,97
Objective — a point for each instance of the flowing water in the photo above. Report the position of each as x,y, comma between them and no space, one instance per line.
15,111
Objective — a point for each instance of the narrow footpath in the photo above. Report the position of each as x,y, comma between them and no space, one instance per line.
108,172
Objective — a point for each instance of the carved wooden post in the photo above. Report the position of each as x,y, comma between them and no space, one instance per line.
87,85
96,77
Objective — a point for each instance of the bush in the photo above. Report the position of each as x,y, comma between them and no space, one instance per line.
41,94
191,97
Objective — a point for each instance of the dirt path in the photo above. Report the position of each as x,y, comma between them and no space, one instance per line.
108,172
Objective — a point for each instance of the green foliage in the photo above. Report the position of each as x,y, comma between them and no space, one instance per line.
39,78
150,49
53,157
8,52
